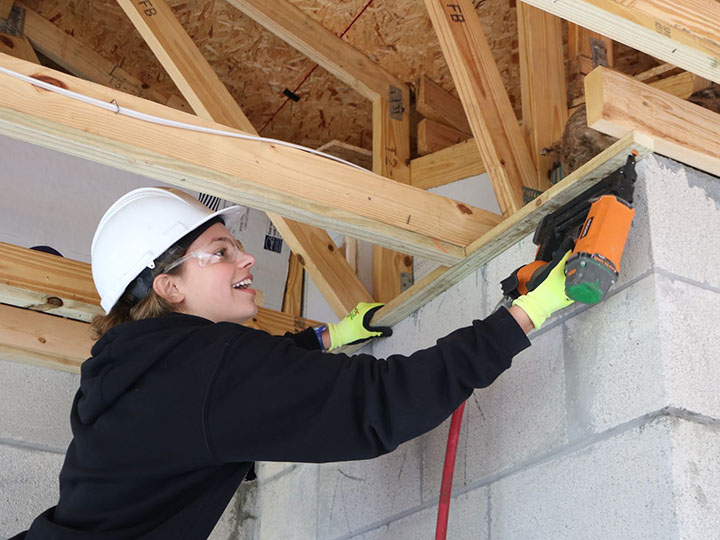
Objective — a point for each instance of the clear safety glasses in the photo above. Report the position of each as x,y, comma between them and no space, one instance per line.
220,250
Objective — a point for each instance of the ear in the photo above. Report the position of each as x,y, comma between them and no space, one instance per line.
164,286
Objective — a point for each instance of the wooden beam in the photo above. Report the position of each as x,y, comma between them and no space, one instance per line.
485,100
657,71
682,85
187,67
311,38
542,84
44,282
38,281
209,97
348,152
433,136
511,230
43,340
444,166
5,8
618,104
293,298
82,61
391,159
363,158
19,47
436,103
261,175
681,33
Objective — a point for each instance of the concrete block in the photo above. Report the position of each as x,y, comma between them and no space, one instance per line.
240,518
29,482
520,416
637,256
620,487
501,267
268,470
355,494
288,505
696,474
690,345
468,520
455,308
684,210
35,404
613,361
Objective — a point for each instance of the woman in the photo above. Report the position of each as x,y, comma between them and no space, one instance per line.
179,399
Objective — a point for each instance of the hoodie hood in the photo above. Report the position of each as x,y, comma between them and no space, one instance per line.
124,354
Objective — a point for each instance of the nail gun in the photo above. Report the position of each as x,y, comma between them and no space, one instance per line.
595,225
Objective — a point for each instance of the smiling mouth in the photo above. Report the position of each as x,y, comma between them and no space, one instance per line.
244,284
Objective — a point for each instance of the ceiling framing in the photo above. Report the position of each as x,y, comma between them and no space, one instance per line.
304,193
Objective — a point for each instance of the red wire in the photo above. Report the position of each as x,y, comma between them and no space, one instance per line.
315,67
447,475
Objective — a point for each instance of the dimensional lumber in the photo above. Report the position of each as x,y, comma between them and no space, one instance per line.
82,61
5,8
211,100
444,166
617,104
348,152
433,136
39,281
190,72
657,71
436,103
319,44
391,157
511,230
682,85
485,100
262,175
43,340
292,298
683,34
19,47
542,84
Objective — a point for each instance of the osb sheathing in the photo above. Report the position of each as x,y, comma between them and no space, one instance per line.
257,67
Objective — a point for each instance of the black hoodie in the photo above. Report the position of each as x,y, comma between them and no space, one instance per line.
172,411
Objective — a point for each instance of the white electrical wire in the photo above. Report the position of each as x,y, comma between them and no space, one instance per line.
115,107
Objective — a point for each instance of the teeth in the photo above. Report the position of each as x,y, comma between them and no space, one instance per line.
244,284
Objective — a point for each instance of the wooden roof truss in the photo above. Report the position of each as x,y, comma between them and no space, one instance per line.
303,193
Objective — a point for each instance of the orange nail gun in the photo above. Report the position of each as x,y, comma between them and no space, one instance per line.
596,223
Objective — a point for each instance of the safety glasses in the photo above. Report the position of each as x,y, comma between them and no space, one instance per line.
219,250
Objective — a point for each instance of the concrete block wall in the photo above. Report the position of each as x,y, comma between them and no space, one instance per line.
607,427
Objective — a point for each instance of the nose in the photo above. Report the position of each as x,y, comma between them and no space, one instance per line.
245,260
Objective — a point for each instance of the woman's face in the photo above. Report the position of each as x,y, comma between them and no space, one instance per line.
213,291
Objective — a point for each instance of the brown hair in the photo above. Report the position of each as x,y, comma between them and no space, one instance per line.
128,308
125,310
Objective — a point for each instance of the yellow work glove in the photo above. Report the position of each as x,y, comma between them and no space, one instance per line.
355,327
548,297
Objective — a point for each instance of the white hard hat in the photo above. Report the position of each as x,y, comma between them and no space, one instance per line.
137,229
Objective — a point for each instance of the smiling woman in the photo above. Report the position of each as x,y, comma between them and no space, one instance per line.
179,398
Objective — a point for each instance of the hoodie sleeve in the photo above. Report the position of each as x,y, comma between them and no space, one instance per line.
273,401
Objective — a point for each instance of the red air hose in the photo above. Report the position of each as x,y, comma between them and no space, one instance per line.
447,476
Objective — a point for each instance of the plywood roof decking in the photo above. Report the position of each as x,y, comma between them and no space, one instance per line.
257,67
